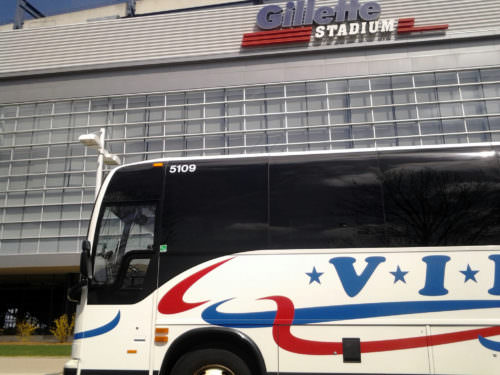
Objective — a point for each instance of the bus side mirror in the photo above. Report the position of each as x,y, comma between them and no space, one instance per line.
85,261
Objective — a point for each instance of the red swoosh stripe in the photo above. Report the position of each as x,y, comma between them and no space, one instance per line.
407,25
173,301
286,340
263,38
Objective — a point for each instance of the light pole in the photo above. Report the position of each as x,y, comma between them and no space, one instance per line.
97,140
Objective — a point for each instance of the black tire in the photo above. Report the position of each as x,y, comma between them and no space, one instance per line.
199,361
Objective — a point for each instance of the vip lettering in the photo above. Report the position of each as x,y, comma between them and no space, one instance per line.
433,282
300,13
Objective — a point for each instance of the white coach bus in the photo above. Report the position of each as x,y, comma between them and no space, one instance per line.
366,262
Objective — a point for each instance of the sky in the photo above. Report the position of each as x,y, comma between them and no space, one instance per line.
50,7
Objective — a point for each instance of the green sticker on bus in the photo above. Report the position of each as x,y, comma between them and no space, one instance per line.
163,248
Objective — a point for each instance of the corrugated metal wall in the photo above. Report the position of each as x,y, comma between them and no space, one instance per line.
208,34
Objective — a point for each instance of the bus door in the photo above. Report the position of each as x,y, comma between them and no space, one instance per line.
118,318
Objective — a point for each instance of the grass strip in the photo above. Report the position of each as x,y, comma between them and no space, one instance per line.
34,350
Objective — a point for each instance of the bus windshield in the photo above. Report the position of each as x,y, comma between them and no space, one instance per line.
124,228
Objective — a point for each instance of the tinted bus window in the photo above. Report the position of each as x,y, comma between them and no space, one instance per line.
328,201
219,208
441,197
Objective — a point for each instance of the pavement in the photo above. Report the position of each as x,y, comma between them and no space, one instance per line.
32,365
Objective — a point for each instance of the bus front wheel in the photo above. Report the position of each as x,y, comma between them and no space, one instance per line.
210,362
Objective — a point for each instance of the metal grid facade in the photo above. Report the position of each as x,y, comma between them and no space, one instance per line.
47,178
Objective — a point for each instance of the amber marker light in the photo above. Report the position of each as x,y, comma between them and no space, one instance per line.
157,164
161,335
131,351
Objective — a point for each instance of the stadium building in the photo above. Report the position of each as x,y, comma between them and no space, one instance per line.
219,78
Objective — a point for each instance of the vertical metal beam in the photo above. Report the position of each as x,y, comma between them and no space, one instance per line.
23,6
131,8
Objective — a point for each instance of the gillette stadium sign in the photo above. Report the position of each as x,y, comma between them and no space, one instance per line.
300,21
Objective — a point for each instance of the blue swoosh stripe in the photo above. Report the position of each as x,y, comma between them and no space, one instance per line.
341,312
489,344
100,330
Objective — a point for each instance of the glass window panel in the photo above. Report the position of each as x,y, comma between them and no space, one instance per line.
381,83
52,213
23,138
48,245
446,78
319,134
12,231
448,93
137,101
3,184
194,97
479,125
235,140
406,130
174,144
382,131
298,104
296,89
56,165
60,136
20,167
402,81
174,128
215,96
382,98
297,136
255,92
13,214
134,146
61,121
234,94
276,138
297,120
275,91
403,97
255,107
472,92
475,108
214,141
154,145
36,182
426,95
337,86
30,229
80,120
450,109
341,132
339,101
56,180
383,114
431,127
360,100
50,229
22,153
137,116
215,110
215,125
469,76
490,75
361,84
428,110
69,228
70,212
494,123
17,183
33,197
315,103
493,106
9,247
53,196
361,115
425,80
194,127
27,110
73,180
194,143
25,124
492,91
317,118
68,245
340,117
234,109
136,130
454,126
28,246
256,139
72,196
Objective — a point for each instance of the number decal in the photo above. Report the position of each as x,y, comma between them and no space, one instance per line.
182,168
